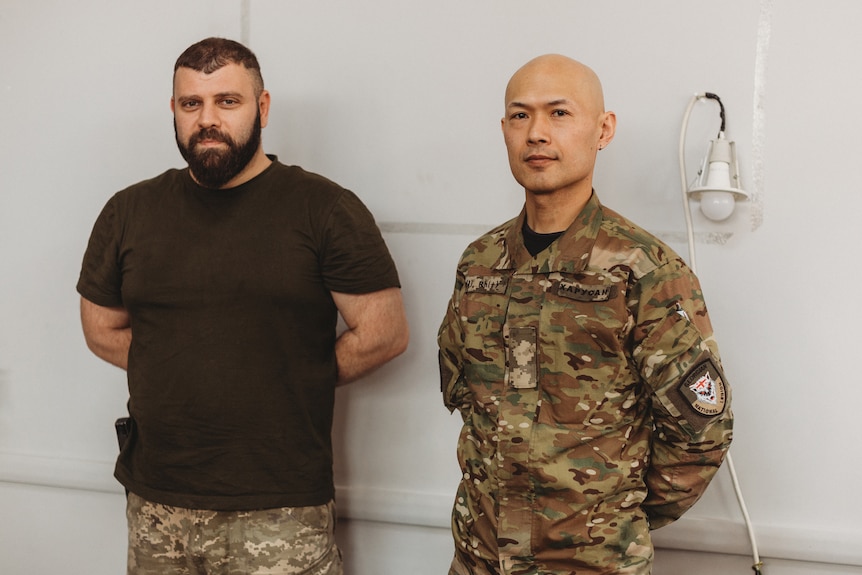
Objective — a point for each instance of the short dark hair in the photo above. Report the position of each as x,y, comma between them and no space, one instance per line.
211,54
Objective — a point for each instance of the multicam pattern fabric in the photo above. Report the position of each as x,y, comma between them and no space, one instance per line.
166,540
593,403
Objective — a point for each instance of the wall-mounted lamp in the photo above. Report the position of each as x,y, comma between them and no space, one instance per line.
717,186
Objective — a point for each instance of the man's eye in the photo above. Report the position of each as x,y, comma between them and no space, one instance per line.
519,116
189,104
229,102
559,113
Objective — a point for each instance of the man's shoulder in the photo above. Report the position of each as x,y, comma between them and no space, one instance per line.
494,234
298,178
620,240
167,180
487,248
617,225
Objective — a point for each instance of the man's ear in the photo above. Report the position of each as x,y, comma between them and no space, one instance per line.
263,105
609,128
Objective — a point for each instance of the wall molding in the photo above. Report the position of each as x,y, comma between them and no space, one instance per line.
691,533
475,230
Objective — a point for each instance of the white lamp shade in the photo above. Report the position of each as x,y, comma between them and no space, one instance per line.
717,187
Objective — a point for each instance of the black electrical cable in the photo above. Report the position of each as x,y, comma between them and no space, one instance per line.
712,96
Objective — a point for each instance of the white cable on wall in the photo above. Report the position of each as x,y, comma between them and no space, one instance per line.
692,260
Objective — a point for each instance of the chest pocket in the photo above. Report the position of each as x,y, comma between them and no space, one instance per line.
584,343
483,307
588,309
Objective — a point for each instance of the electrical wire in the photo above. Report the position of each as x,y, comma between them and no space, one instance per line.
689,226
711,96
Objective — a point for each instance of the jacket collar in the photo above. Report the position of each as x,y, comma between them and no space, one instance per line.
569,253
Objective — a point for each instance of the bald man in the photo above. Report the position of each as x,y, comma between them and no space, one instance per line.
578,351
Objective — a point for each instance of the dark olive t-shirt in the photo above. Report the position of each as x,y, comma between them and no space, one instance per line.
232,365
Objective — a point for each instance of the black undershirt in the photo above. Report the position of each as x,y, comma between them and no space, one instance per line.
536,242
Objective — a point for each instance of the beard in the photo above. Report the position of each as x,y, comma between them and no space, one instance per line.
213,168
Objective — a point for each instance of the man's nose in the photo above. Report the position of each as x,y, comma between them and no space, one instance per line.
208,116
538,132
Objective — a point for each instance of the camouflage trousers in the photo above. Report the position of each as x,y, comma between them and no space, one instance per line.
165,540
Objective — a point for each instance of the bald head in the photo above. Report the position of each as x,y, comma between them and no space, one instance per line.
554,124
567,74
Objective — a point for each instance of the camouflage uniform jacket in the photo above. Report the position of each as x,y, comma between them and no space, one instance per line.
592,396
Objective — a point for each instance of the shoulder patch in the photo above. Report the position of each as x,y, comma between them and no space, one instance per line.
701,394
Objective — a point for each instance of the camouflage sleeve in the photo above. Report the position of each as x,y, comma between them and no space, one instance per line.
450,340
678,359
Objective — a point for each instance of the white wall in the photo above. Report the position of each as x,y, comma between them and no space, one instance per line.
400,101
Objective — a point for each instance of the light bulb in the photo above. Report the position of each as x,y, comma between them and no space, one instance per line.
717,205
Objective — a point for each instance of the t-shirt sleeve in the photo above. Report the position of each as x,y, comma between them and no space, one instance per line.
355,258
100,280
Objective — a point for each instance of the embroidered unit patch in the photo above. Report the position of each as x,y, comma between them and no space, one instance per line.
704,390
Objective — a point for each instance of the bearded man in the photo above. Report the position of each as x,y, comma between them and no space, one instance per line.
218,288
